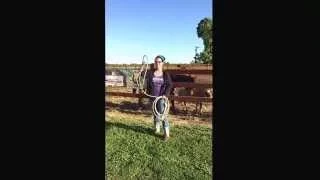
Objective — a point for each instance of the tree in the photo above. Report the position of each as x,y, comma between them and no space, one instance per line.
196,56
204,31
196,59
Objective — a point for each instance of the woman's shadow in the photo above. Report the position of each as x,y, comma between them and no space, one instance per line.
135,128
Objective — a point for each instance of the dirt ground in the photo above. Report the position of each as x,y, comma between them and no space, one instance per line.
128,107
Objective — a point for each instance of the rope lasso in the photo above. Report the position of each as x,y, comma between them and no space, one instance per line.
157,98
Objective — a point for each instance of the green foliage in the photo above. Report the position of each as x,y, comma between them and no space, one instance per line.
206,57
196,59
204,31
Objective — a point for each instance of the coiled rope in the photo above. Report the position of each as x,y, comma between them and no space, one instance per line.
140,85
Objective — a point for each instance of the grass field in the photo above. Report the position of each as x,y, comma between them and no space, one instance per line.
134,152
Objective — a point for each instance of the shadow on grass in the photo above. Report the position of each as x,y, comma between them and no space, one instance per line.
133,108
135,128
123,105
128,107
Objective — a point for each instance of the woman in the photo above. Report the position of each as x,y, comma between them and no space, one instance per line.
159,84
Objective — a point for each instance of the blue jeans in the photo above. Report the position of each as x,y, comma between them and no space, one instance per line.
160,108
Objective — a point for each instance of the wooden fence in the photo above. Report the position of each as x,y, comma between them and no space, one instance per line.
176,98
190,69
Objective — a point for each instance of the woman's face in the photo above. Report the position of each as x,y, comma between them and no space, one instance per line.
158,63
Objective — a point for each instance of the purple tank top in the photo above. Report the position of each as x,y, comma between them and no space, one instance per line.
157,83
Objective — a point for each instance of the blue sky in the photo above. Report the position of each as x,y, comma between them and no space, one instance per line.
167,27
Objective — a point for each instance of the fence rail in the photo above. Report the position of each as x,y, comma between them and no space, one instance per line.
178,84
165,66
176,98
191,85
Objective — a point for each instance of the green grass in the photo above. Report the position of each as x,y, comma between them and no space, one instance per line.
134,152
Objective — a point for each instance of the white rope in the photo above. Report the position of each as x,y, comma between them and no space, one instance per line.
154,104
166,108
